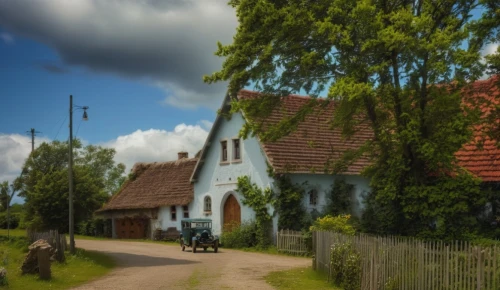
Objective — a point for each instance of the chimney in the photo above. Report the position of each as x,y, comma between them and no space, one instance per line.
182,154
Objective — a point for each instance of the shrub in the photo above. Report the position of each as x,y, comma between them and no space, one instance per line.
330,223
239,236
345,265
14,220
95,227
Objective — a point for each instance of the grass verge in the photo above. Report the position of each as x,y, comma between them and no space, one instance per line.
76,270
299,278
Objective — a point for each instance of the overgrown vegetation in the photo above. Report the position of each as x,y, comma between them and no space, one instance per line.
339,198
404,70
339,224
95,227
288,204
345,266
258,200
240,236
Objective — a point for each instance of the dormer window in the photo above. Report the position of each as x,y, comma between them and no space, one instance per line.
236,149
224,151
313,197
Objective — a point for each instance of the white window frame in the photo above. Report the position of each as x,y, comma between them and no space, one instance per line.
233,153
205,207
222,151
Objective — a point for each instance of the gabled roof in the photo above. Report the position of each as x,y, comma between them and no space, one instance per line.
314,146
156,184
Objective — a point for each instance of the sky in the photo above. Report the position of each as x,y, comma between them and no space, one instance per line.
138,65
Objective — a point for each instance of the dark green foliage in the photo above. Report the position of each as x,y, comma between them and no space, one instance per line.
339,199
240,236
45,184
258,200
288,204
401,68
95,227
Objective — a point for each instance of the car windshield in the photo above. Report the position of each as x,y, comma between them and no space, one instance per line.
201,225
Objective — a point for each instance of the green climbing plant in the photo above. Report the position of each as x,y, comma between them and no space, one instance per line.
259,200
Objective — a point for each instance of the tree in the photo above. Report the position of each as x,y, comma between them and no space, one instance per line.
400,67
45,183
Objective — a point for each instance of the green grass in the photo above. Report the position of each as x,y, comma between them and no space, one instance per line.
76,270
13,233
272,250
299,278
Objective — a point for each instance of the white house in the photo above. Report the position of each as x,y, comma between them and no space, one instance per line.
205,187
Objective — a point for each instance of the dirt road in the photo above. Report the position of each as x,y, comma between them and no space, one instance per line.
156,266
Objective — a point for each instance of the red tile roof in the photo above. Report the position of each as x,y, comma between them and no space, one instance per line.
483,161
313,145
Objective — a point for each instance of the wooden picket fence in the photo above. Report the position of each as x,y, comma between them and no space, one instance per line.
403,263
53,238
291,242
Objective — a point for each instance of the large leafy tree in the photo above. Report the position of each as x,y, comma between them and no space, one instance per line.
401,67
45,183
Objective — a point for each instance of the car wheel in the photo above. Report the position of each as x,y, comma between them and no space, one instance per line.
194,246
216,246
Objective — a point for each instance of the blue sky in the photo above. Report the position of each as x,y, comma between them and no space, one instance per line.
138,65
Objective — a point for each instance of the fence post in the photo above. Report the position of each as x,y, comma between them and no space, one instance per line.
44,263
314,250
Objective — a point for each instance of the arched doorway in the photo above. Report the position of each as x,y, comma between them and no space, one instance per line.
232,212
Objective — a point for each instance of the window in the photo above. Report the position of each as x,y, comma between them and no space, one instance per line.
208,204
185,210
173,213
236,149
224,150
313,197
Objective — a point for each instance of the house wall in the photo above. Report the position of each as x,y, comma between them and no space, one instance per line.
322,184
218,180
165,221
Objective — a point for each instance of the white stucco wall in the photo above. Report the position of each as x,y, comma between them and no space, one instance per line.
218,180
165,221
322,184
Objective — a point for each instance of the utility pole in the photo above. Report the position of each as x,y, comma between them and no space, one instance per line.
70,176
70,173
33,133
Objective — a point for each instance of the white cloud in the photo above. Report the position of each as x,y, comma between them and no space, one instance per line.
155,145
169,43
490,48
7,38
14,149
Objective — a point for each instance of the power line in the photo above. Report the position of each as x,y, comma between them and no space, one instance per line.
33,133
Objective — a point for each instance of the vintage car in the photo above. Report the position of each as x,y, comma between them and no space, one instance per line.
197,233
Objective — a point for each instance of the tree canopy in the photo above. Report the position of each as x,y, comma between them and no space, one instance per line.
400,67
44,183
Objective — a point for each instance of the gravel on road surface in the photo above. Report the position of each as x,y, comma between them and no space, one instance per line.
155,266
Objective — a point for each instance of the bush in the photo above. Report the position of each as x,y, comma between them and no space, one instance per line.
240,236
345,265
14,220
95,227
339,224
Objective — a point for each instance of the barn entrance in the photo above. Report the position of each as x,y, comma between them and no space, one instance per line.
232,212
128,228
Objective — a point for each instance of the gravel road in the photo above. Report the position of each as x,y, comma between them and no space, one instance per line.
156,266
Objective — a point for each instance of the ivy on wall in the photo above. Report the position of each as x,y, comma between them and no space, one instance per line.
258,200
288,204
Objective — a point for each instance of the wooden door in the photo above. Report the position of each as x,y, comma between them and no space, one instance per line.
232,212
127,228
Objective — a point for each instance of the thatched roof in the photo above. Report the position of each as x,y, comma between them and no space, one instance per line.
156,184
